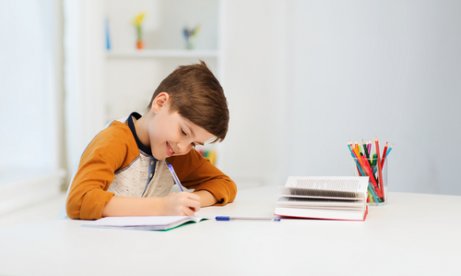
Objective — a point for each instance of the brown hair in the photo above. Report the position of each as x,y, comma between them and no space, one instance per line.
197,96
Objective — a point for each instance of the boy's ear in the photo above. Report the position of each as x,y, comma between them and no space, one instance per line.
160,101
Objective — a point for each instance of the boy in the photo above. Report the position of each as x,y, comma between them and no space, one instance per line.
123,171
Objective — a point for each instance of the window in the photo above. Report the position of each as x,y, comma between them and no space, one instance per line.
30,95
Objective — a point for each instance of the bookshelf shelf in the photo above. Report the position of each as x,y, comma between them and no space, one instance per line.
163,53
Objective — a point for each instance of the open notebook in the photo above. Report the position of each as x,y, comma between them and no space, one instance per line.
150,223
339,198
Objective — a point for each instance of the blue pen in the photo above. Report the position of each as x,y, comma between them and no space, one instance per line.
228,218
175,177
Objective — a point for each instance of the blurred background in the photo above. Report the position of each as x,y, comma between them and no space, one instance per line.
302,78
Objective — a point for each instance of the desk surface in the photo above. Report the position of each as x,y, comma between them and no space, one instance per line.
414,234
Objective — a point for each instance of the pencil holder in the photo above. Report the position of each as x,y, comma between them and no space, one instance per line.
377,179
370,161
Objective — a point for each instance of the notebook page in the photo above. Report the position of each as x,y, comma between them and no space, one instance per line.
140,221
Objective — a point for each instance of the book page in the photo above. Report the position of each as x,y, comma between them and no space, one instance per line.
339,184
309,202
320,195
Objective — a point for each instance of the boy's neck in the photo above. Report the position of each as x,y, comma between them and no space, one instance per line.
141,131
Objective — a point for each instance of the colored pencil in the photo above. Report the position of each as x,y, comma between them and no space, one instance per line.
380,171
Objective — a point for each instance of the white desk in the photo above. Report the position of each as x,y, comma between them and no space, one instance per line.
414,234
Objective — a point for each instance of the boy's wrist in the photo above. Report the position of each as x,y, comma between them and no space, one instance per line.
129,206
158,206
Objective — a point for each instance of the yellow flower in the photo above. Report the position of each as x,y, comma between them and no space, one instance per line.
139,19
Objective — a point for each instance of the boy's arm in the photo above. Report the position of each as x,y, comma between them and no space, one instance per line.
212,185
178,204
106,153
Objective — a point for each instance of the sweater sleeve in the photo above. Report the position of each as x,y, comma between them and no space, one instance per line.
103,156
198,173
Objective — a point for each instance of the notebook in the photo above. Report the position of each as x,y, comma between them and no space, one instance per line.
337,198
149,223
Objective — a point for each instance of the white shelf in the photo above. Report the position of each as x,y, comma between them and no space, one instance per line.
146,53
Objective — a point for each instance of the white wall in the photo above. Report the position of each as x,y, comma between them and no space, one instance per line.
388,69
253,39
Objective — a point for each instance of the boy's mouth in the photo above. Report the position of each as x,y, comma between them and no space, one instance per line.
169,149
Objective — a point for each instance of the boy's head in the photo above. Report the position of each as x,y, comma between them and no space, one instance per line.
187,108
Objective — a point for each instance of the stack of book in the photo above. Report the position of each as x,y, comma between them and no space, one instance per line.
337,198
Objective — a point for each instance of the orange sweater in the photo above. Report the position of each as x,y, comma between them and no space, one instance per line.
116,163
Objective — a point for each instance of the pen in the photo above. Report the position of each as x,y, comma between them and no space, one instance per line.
175,177
228,218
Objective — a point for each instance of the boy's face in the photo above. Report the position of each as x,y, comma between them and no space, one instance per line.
171,134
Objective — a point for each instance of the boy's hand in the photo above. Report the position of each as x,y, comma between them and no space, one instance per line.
181,204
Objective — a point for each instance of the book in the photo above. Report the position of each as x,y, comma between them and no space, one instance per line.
149,223
334,198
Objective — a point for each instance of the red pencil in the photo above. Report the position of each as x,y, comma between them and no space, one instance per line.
380,171
384,154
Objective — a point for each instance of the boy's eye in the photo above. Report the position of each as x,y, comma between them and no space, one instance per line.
183,132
